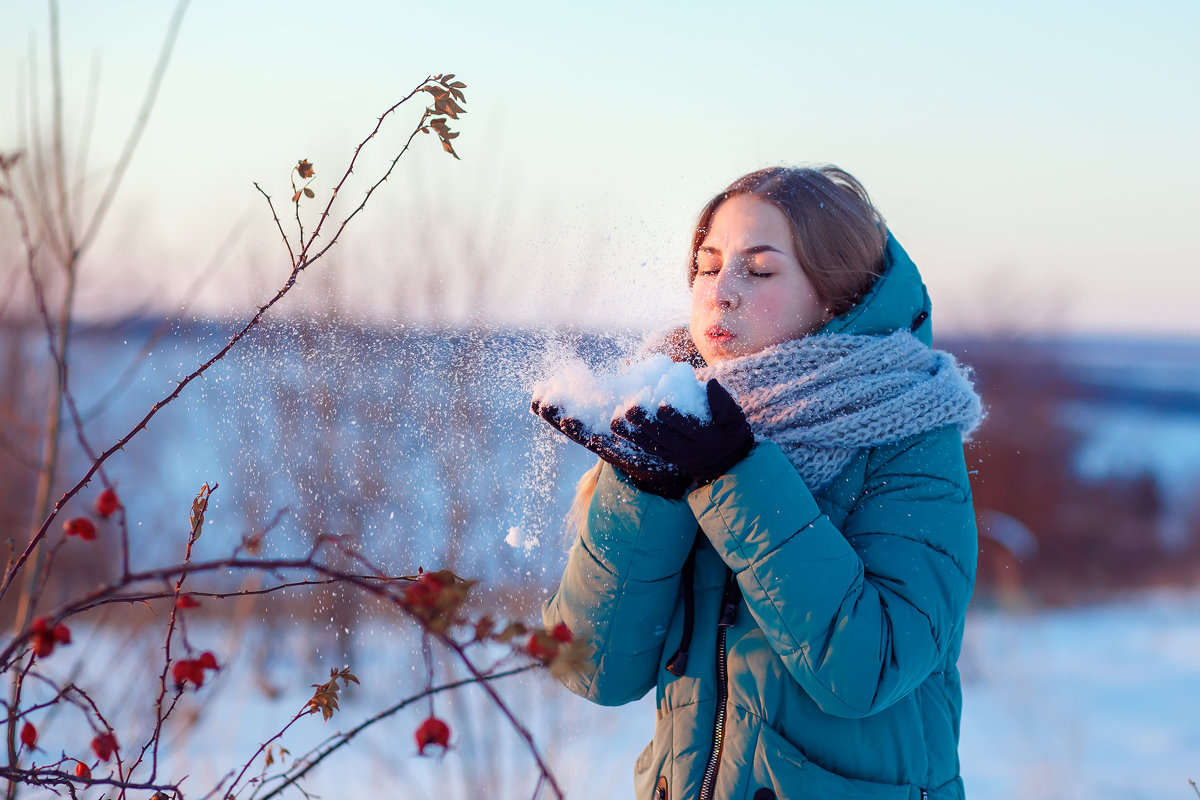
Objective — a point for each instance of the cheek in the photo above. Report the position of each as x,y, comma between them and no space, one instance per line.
771,311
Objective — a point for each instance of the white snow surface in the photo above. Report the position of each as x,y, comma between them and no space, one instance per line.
1089,703
597,399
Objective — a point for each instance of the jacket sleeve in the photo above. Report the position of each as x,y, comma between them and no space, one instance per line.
620,587
863,615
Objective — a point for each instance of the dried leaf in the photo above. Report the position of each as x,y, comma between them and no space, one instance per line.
484,628
305,168
325,698
199,507
309,192
296,196
570,659
511,631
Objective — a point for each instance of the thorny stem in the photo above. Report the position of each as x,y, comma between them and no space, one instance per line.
274,215
377,584
298,265
139,125
57,344
499,702
11,740
159,716
305,764
303,712
104,594
47,777
427,654
350,169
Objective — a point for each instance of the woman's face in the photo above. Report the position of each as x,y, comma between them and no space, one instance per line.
749,291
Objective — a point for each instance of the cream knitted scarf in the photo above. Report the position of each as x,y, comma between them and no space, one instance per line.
824,397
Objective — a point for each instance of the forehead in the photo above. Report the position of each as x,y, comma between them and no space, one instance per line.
743,218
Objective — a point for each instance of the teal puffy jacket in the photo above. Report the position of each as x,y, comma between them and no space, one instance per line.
836,667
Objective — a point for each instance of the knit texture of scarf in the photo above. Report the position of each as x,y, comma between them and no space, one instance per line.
824,397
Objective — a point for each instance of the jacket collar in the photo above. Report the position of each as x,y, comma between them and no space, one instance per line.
897,300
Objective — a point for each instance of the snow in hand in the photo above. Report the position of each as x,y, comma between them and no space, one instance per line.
596,400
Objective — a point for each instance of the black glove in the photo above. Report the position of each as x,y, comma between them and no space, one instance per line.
703,449
646,472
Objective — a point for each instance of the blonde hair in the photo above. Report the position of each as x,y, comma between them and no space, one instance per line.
583,500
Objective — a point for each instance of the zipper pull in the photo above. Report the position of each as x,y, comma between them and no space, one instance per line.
730,601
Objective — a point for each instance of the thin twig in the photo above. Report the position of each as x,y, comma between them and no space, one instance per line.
46,777
304,712
275,215
139,126
336,742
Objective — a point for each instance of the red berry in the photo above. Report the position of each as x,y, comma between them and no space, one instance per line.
44,637
432,731
81,527
186,601
208,660
28,735
561,633
179,671
196,673
423,593
107,503
188,670
43,645
104,745
82,770
541,647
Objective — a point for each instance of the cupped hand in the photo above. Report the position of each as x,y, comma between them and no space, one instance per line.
647,472
702,449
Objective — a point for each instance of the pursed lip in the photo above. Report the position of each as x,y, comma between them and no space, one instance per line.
718,333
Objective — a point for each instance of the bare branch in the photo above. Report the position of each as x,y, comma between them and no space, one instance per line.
306,763
139,126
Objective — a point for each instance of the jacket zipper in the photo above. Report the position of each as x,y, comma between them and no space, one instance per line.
729,606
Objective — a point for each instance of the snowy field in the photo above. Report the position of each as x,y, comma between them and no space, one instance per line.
1100,702
1096,703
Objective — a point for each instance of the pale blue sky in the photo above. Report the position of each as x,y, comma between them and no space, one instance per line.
1037,159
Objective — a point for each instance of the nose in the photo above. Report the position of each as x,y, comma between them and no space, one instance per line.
728,293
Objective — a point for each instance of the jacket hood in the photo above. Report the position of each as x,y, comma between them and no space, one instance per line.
898,300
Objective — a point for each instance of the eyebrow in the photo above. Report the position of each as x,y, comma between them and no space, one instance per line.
750,251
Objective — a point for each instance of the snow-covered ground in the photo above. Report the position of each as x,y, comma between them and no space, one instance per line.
1095,703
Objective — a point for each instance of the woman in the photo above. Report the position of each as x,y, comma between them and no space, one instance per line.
793,573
